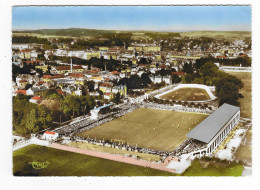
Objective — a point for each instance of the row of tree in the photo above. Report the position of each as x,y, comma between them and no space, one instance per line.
29,40
135,81
109,39
243,61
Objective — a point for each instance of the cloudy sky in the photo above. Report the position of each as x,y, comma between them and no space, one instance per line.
157,18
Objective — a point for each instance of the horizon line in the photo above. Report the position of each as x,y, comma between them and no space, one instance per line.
133,30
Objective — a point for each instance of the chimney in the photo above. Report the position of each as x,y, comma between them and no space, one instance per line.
71,65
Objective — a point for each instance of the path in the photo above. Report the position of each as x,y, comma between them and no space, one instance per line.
118,158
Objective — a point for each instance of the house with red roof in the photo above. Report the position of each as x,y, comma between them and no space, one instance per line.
40,83
178,73
77,75
221,57
60,91
48,78
22,83
32,62
20,91
36,100
49,135
114,72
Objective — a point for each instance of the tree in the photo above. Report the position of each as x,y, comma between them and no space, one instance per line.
87,103
228,94
198,80
31,121
208,69
27,86
44,117
187,68
52,94
176,79
145,79
188,78
116,99
71,105
90,85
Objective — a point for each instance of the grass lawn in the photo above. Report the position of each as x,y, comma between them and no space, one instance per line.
244,152
197,170
149,128
187,94
246,91
63,163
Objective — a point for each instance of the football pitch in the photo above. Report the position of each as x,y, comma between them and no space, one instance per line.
187,94
149,128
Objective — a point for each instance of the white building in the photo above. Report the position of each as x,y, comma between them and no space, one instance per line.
49,135
158,79
20,46
167,79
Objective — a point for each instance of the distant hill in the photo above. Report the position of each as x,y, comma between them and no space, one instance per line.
72,32
81,32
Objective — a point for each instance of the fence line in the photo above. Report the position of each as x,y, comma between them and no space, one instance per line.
27,142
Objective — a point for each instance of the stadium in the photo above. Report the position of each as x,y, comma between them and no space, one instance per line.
165,132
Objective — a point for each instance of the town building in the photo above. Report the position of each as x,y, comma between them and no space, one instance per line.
36,100
67,69
49,135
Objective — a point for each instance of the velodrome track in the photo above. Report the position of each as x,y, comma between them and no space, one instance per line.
118,158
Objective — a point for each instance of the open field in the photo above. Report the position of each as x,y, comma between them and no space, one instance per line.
149,128
187,94
215,169
231,35
64,163
246,91
244,152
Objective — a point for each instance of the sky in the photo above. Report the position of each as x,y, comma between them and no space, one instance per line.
154,18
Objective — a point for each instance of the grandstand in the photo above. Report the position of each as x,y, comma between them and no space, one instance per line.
104,109
208,135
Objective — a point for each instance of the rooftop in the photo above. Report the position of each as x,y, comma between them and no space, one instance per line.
209,127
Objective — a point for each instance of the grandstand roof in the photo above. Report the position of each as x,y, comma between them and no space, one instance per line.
104,106
209,127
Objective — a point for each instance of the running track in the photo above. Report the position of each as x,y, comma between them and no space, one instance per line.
118,158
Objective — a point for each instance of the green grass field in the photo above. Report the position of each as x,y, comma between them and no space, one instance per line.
187,94
197,170
63,163
246,91
149,128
